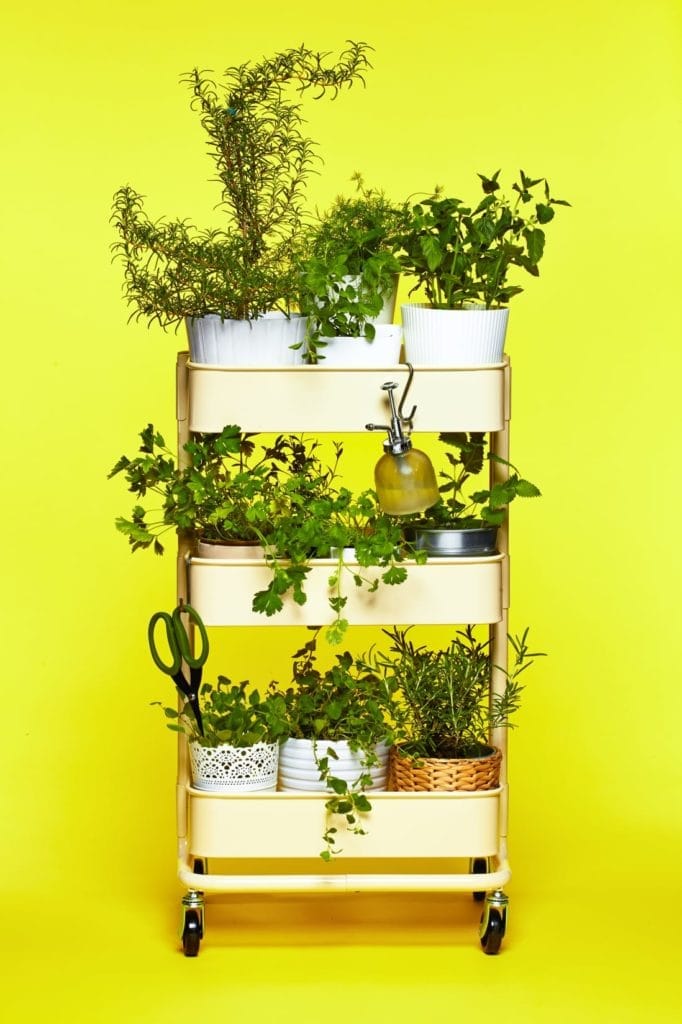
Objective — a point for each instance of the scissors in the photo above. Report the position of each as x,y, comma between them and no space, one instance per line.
178,642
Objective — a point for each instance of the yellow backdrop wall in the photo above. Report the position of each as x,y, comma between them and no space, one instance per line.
587,94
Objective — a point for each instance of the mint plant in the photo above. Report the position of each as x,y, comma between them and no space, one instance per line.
462,509
462,255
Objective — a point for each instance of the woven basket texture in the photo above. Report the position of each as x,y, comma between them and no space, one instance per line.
427,774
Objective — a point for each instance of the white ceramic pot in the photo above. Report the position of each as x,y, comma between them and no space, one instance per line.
227,769
298,769
265,341
229,549
453,337
384,350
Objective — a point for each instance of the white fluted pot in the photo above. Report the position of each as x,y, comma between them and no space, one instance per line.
265,341
453,337
298,768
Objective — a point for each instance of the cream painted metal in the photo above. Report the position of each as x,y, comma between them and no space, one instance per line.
279,827
290,825
324,399
221,590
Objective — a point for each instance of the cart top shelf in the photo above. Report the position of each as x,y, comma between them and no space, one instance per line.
320,399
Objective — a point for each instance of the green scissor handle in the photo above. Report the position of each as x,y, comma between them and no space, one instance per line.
176,665
178,640
183,638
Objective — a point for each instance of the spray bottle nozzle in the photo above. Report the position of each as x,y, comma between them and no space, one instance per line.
398,440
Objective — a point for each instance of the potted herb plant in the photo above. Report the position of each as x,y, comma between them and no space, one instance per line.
445,715
365,543
227,494
461,257
279,502
340,728
464,523
350,280
237,285
238,751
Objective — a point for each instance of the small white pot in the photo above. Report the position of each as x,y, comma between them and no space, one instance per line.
298,768
453,337
265,341
227,769
384,350
229,549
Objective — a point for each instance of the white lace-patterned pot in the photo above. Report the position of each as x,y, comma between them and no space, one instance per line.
453,337
298,768
265,341
384,350
227,769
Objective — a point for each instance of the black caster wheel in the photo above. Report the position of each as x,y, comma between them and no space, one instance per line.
479,866
191,933
491,939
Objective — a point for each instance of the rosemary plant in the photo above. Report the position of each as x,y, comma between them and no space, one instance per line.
263,161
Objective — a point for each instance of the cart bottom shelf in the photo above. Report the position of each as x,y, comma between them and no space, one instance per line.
278,830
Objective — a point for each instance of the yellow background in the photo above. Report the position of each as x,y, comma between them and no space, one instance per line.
586,93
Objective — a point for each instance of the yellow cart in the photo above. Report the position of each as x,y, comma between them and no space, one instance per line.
425,829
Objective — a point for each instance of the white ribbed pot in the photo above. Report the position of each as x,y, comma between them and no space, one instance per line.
453,337
265,341
383,350
227,769
298,768
229,549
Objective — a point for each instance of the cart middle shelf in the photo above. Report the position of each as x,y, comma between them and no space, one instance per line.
441,592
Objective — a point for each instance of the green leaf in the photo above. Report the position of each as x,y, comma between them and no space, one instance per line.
535,242
431,251
396,574
361,802
525,489
544,213
336,632
267,602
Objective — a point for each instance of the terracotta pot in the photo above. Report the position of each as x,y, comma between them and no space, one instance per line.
230,549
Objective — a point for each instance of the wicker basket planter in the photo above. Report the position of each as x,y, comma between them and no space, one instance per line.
431,774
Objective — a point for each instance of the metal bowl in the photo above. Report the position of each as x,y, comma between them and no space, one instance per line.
447,543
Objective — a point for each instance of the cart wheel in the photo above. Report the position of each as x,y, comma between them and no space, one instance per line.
191,933
199,866
479,866
491,939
